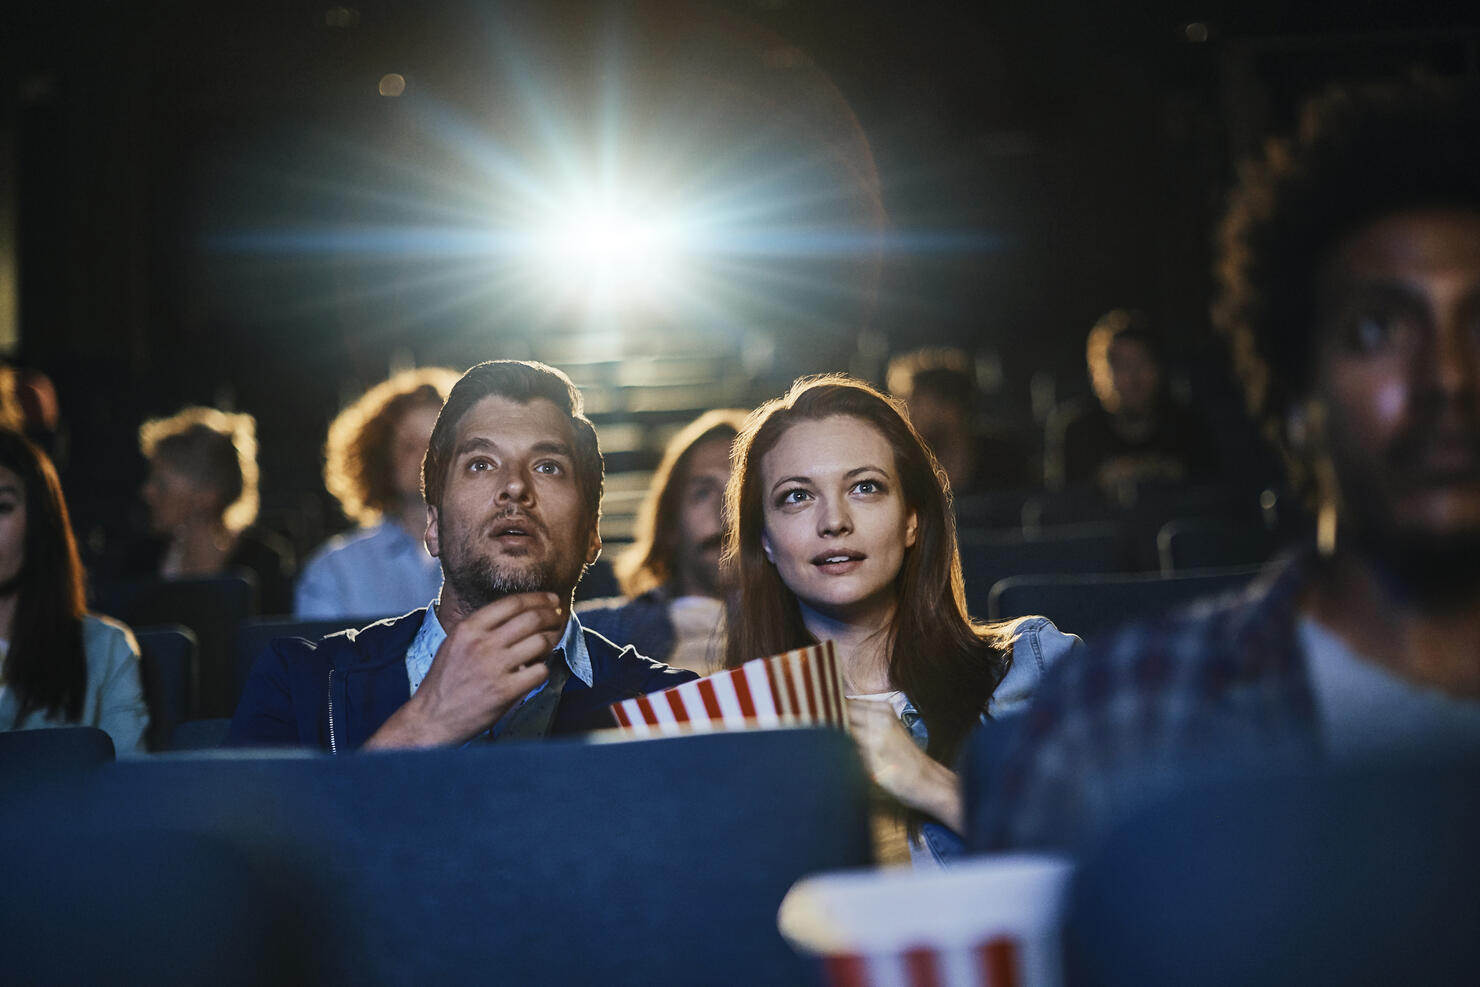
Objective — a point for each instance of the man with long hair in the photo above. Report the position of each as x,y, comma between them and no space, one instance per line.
671,573
1351,292
513,478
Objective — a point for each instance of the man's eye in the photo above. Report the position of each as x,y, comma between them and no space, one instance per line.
479,465
551,469
1370,333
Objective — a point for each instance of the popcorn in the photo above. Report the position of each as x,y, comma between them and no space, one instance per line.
797,688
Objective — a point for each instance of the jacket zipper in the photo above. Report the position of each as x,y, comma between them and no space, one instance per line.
333,747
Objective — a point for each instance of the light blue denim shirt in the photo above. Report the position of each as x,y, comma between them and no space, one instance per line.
380,571
430,635
1037,647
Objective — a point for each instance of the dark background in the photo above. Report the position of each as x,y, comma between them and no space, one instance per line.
200,193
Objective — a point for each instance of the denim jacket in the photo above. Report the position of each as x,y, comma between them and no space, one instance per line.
1037,646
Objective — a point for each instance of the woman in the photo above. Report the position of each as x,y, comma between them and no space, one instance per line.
63,667
840,528
202,496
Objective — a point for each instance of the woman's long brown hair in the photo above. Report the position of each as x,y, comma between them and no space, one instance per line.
946,663
45,665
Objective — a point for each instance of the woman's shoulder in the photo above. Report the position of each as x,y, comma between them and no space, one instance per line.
107,640
1037,645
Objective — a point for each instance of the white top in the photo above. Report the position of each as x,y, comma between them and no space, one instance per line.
370,572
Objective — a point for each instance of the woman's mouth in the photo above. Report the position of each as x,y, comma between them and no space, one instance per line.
838,563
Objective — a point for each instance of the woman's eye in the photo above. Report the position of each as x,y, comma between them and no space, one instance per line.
1371,332
868,486
794,496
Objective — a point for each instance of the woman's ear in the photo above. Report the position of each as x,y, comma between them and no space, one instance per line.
911,526
766,547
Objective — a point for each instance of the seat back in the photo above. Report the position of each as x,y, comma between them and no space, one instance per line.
1365,877
1093,603
655,862
212,607
200,735
168,665
29,756
1201,543
987,557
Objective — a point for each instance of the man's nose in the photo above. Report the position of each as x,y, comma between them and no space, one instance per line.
516,486
1453,366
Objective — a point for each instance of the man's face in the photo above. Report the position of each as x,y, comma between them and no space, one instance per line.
512,519
701,518
1396,386
1135,379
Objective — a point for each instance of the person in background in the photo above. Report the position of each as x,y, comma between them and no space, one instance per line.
671,573
62,665
1134,433
938,387
372,466
1350,269
513,476
839,529
201,493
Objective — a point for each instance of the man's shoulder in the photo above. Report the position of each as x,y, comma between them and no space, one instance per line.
623,667
375,643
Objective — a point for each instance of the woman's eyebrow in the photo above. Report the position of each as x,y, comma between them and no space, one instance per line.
865,469
790,479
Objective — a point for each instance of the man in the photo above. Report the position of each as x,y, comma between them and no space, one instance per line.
372,466
671,573
1133,433
513,480
938,386
1351,275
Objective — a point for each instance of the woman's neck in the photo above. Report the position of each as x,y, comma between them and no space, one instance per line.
861,644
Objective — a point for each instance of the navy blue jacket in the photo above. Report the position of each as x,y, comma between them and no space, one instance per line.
335,693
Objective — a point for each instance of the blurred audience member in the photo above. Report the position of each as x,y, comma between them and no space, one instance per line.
63,666
202,498
671,573
372,466
840,529
1350,271
938,386
1134,433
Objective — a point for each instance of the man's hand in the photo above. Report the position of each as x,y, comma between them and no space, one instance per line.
492,658
901,768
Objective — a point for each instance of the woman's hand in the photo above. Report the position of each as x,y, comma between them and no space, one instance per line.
899,767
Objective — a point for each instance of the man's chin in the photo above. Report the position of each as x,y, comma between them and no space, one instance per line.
1438,568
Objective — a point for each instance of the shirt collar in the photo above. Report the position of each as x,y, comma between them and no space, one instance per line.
430,635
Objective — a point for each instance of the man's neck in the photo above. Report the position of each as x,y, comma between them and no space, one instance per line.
451,610
1432,643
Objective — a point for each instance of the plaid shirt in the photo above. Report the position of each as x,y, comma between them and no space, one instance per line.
1196,691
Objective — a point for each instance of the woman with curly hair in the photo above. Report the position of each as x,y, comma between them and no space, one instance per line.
62,665
372,466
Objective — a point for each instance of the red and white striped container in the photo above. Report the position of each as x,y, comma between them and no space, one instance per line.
983,922
796,688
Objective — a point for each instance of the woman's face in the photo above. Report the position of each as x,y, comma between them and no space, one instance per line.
12,528
836,524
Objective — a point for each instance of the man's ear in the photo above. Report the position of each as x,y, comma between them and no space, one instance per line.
766,547
593,547
433,537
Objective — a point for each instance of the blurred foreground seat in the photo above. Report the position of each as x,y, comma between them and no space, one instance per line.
1350,877
646,862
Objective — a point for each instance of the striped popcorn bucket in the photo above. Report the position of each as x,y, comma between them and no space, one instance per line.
986,922
796,688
